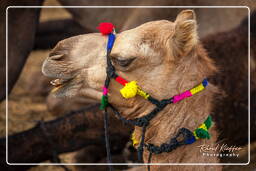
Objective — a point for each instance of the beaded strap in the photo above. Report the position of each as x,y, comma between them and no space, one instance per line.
188,137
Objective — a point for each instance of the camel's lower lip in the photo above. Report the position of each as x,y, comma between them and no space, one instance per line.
58,83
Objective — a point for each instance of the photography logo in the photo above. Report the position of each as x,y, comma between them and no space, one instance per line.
220,150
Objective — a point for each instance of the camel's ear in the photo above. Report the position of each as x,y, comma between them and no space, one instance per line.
185,32
186,15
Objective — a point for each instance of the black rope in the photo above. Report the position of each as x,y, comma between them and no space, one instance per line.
149,160
110,73
109,160
141,122
141,146
184,136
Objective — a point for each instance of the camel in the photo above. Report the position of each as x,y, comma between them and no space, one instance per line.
166,58
234,106
47,34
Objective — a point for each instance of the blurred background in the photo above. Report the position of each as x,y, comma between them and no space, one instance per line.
45,129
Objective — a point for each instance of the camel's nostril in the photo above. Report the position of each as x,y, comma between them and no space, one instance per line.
56,57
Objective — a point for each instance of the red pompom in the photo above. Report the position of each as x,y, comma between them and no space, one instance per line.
106,28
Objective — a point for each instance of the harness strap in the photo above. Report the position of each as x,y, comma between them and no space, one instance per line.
131,89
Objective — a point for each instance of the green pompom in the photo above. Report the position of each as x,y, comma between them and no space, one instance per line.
208,122
201,133
104,102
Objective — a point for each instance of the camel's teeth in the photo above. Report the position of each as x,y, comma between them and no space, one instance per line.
56,82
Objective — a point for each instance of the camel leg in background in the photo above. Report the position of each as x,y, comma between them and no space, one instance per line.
51,32
22,25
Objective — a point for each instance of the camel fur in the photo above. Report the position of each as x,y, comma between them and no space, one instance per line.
168,59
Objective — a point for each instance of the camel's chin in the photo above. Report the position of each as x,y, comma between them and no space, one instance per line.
59,92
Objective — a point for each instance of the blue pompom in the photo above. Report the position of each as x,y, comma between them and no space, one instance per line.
111,40
205,82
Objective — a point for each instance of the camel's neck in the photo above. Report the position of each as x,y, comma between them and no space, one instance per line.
190,112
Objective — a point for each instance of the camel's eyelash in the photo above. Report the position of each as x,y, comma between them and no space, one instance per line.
123,62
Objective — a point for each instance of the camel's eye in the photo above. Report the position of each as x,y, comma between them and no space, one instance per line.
123,62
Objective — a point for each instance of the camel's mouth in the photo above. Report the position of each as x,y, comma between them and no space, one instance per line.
58,83
65,83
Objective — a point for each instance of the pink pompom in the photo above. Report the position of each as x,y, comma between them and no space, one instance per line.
105,28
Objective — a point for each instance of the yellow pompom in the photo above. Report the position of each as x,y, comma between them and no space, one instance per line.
134,140
130,90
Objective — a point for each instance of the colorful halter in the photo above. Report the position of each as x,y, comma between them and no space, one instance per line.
131,89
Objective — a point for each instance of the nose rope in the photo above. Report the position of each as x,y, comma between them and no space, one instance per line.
131,89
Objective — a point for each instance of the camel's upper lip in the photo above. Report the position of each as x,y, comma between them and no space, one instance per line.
59,78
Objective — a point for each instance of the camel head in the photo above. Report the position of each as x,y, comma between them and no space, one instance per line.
156,54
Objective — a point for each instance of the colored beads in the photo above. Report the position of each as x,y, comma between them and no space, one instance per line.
181,96
111,40
191,92
104,98
106,29
121,80
105,91
197,89
205,82
200,87
142,93
104,102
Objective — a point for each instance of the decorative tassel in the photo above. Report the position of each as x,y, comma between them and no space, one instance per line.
201,133
130,90
105,28
104,102
208,122
134,140
203,126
